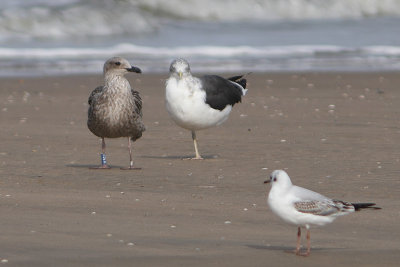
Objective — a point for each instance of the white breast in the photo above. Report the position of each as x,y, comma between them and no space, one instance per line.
185,102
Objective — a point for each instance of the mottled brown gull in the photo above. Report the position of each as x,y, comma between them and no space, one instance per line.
200,103
115,109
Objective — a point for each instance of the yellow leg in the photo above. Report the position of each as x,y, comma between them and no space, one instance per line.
195,146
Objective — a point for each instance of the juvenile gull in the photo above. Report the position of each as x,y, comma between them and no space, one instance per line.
115,109
199,103
303,207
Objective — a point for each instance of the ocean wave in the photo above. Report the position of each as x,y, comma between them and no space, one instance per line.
47,19
237,10
68,19
131,50
67,60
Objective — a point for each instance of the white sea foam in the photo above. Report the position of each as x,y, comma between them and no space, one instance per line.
233,10
131,50
382,50
34,61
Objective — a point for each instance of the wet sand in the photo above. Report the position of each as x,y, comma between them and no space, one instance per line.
336,133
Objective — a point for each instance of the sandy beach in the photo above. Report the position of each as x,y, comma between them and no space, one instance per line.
335,133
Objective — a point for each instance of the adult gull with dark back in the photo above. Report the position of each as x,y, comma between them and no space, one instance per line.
200,103
303,207
115,109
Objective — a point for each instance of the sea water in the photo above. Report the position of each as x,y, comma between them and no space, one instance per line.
46,37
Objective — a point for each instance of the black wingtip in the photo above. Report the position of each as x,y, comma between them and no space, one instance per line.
235,78
360,206
238,79
243,83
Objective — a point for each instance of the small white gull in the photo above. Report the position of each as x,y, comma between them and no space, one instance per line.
115,109
200,103
303,207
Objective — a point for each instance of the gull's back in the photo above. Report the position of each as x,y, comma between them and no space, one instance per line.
301,193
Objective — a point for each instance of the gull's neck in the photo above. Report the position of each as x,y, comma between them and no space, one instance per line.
188,79
282,188
114,81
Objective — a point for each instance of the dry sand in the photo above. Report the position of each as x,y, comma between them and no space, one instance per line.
338,134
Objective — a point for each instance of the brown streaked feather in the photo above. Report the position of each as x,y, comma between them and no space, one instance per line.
96,91
138,102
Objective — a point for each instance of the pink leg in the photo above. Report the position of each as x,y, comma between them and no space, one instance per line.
130,157
307,253
298,241
308,243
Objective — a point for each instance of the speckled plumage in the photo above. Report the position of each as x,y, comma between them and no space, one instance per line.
324,208
115,109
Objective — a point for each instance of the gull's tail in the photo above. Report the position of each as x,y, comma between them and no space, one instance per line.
241,81
360,206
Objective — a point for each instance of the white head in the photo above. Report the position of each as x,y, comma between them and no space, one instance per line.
179,68
280,179
119,66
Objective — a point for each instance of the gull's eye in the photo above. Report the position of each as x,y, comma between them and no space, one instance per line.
117,63
275,179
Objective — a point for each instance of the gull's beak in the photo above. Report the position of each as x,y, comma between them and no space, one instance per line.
134,69
267,181
180,74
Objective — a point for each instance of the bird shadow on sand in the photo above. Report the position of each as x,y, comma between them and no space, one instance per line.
287,249
91,166
186,157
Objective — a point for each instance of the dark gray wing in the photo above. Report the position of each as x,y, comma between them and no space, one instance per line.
137,114
94,93
221,92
